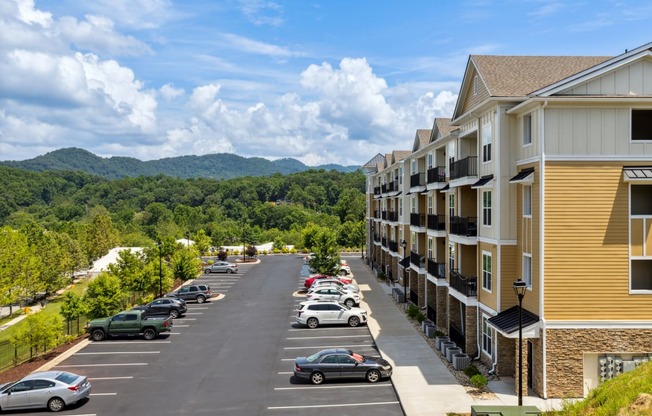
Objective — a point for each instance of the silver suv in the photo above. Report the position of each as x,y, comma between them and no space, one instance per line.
315,313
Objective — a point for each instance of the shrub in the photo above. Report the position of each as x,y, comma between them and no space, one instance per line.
413,311
293,251
421,317
285,250
210,261
264,252
479,381
276,251
222,254
471,371
438,333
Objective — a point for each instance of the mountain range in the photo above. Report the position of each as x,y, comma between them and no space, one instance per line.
217,166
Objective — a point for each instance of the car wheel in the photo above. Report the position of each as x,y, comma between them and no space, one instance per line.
55,404
342,272
312,323
316,378
207,271
373,376
229,271
349,302
174,314
149,334
354,321
201,299
98,335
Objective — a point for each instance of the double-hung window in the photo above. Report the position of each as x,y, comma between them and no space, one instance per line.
486,142
527,269
527,200
486,271
641,124
487,335
486,208
527,129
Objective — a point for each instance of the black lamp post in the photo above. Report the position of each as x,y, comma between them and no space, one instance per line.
519,288
160,270
404,245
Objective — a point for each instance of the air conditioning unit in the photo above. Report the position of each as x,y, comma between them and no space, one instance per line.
444,345
439,340
450,353
628,365
461,361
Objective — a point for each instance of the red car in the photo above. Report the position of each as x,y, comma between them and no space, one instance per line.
310,279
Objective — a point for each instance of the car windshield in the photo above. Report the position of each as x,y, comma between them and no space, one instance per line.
66,378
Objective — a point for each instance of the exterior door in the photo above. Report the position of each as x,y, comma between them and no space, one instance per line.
19,396
330,366
350,367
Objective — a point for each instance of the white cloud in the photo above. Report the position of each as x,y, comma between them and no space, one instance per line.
169,92
139,14
262,13
256,47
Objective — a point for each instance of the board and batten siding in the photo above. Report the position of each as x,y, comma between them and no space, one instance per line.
587,244
632,79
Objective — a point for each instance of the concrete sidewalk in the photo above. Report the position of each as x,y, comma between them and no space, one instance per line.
422,381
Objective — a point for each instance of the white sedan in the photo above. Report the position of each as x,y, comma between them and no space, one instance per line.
351,287
333,293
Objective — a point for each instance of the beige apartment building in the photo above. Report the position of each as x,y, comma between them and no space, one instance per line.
543,173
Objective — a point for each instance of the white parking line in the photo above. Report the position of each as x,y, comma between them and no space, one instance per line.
324,329
343,386
129,342
330,405
173,333
181,326
104,394
336,336
117,352
285,372
186,319
100,365
110,378
194,313
328,346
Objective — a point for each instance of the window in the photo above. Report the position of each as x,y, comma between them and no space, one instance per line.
486,270
527,129
413,240
486,142
451,156
451,256
487,332
400,175
527,200
429,160
641,124
486,208
527,269
451,205
430,254
131,317
330,359
414,166
430,204
641,263
413,201
400,209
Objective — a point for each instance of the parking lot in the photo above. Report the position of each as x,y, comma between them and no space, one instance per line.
230,356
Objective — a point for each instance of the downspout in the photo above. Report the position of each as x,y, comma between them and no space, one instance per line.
497,231
542,247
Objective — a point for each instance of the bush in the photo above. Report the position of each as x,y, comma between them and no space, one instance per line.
479,381
293,251
421,317
438,333
413,311
210,261
276,251
264,252
222,254
471,371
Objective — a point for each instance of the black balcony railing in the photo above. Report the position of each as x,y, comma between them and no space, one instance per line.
377,238
383,241
436,222
414,297
377,190
467,286
464,226
465,167
431,313
457,336
436,174
393,246
383,215
417,259
392,216
417,179
405,262
437,269
418,220
376,213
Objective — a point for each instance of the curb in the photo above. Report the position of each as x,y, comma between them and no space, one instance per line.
59,358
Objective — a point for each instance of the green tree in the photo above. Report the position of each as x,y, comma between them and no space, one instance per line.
42,331
101,236
104,297
350,205
185,264
351,234
72,308
326,259
309,235
202,241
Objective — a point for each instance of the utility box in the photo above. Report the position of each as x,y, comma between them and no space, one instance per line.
504,410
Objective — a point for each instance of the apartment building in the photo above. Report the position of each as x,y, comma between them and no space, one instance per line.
543,173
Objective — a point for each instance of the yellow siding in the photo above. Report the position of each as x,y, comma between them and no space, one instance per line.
469,202
527,235
637,237
471,100
488,298
648,238
469,264
509,272
587,244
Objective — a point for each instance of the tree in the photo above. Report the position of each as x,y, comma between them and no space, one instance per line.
202,241
186,264
351,234
104,297
42,331
135,277
100,236
309,235
351,205
251,251
72,308
326,259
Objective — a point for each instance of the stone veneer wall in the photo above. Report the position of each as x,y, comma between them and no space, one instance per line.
565,349
442,309
421,290
431,295
506,358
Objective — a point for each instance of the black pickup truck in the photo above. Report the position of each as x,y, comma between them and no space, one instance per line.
128,323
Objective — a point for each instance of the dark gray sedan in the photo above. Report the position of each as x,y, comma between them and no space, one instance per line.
53,390
340,363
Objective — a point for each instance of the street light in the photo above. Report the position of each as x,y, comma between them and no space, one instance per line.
404,245
519,288
160,270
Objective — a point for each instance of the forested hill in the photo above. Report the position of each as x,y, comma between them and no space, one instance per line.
217,166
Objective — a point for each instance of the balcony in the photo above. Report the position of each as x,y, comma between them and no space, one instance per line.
376,213
383,241
436,222
405,262
393,246
463,168
418,220
417,179
437,269
414,297
377,238
392,216
431,313
418,260
383,215
468,286
389,187
377,190
436,174
464,226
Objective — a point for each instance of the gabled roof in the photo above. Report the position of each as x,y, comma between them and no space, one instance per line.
518,76
441,127
421,139
372,165
398,155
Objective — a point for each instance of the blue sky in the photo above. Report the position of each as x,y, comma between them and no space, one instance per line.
328,81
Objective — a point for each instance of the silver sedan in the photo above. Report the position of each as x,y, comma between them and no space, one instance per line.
53,390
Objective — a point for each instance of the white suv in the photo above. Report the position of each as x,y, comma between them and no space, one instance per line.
334,293
315,313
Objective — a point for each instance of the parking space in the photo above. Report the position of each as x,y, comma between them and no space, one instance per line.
291,395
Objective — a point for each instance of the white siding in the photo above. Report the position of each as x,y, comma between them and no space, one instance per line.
633,79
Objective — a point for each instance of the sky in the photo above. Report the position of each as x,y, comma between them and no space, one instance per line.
321,81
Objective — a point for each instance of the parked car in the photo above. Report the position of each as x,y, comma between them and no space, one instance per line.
345,269
197,293
311,279
221,267
340,363
53,390
348,298
315,313
171,307
352,287
129,323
